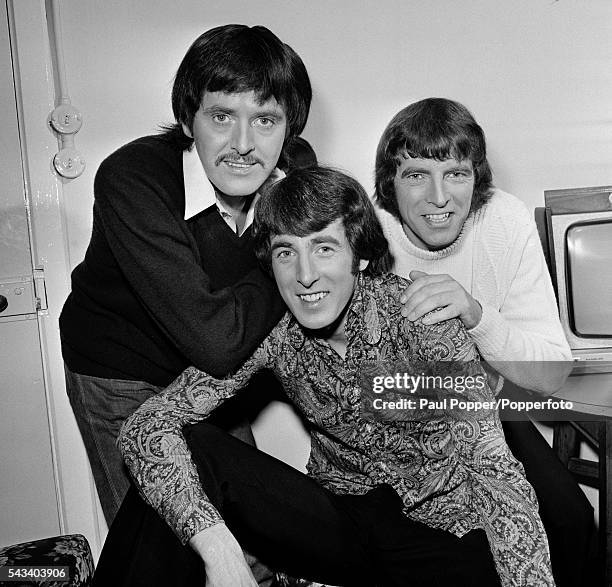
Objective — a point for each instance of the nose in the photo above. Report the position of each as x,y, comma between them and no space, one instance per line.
437,194
306,269
242,138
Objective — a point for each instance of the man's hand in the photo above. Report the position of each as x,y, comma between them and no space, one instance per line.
223,558
430,292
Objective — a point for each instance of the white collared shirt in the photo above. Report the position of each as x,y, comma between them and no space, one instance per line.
200,193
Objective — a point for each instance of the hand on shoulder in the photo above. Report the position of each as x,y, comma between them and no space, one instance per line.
442,293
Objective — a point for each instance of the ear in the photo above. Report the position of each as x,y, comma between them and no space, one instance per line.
186,130
363,263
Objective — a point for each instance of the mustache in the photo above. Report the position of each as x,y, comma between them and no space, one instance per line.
247,159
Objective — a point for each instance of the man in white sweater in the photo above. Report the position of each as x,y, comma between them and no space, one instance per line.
473,252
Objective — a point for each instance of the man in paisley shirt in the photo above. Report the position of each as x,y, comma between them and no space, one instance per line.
400,502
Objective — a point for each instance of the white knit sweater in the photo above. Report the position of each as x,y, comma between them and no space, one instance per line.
498,259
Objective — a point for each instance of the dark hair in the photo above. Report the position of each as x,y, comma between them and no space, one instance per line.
307,201
237,58
434,128
297,154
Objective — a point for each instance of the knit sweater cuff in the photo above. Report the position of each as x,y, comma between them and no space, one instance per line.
491,334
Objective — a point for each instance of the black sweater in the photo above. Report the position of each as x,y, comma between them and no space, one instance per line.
157,293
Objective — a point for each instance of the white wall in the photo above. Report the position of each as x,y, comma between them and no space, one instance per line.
537,75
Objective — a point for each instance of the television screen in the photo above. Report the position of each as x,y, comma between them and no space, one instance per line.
589,256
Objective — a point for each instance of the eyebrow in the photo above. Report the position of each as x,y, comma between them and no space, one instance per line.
279,245
271,113
315,241
325,239
417,169
217,108
268,113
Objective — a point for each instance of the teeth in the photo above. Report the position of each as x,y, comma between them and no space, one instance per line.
313,297
238,165
437,217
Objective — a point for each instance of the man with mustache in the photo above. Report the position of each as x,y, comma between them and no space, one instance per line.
169,278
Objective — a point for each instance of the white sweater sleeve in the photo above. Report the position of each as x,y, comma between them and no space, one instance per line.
524,331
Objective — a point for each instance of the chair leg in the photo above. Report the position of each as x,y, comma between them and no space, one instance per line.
565,442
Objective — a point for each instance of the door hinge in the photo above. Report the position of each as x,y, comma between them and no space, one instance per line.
40,289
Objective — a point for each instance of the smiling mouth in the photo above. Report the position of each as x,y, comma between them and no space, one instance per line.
437,218
313,297
239,164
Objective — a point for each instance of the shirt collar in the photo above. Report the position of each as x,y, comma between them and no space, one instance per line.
229,219
199,192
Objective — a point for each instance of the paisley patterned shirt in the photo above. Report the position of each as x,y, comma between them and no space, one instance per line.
452,473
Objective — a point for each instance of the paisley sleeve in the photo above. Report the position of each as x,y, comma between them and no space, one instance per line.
156,454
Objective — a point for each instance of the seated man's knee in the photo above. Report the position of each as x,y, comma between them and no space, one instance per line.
203,434
477,566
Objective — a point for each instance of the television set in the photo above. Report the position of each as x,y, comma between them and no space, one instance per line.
579,230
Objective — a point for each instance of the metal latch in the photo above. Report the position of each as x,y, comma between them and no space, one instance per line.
40,289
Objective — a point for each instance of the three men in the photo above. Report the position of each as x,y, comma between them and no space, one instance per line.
169,279
415,501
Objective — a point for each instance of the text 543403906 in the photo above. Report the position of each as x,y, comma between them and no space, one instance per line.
34,573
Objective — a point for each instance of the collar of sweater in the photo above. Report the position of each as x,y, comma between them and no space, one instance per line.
395,230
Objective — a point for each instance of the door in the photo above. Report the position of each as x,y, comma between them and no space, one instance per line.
28,497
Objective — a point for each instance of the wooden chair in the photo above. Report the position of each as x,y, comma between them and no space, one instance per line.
567,438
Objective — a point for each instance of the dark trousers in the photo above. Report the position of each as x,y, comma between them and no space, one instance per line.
566,513
100,407
292,524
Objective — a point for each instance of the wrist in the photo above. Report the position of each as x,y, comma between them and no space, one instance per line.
474,316
208,541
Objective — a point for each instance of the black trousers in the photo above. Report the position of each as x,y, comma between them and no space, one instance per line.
292,524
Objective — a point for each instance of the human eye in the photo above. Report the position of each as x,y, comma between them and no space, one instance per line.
220,118
264,122
414,178
283,254
325,250
459,175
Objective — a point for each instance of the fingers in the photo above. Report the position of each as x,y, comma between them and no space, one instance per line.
435,308
443,294
431,292
440,314
422,281
415,274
